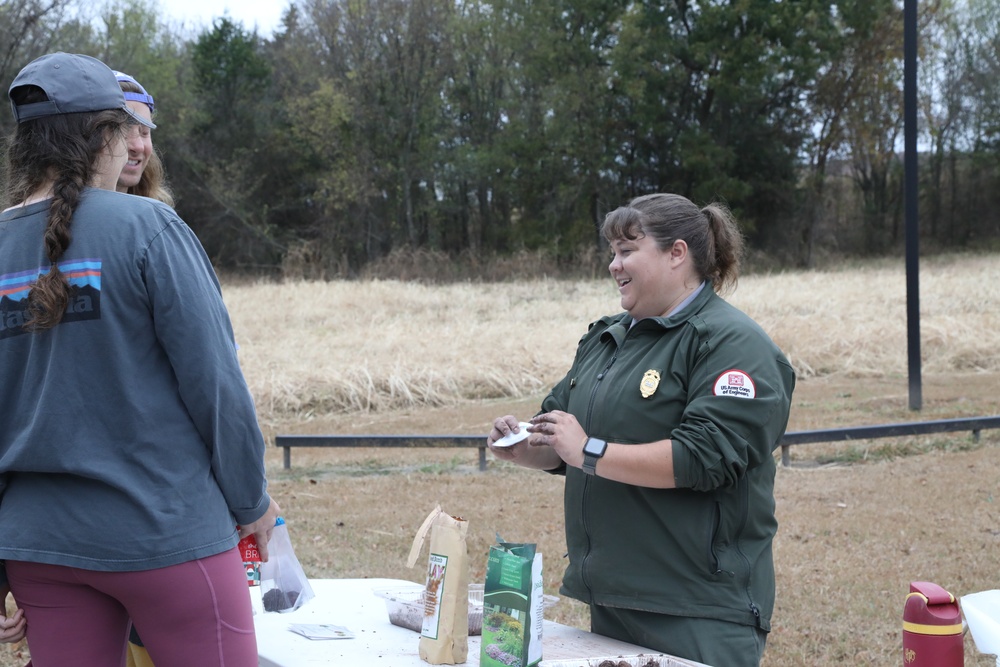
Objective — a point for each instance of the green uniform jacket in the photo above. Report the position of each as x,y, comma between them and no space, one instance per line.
720,389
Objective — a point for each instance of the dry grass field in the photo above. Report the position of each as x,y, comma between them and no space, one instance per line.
858,521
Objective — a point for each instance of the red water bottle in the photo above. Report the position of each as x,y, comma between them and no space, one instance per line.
932,628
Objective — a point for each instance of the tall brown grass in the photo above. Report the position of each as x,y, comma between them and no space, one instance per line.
311,348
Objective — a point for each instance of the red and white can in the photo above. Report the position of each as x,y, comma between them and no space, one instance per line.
251,559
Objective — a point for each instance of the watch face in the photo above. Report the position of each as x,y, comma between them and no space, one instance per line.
595,447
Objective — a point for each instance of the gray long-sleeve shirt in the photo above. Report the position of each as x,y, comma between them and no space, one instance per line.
128,435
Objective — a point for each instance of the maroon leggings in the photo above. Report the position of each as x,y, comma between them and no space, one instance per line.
195,613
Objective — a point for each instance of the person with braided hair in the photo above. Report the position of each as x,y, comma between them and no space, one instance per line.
130,449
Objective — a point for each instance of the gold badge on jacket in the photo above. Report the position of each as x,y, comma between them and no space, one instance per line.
650,381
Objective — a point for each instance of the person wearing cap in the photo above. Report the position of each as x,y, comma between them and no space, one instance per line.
130,449
143,173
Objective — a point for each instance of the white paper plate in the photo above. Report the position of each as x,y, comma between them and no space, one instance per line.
513,438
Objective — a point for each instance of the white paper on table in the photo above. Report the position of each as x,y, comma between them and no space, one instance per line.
321,631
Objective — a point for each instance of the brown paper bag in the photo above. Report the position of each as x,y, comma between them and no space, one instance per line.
444,637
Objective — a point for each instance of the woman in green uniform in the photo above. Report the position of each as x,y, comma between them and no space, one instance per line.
665,428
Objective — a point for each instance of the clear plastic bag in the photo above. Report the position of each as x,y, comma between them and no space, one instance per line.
283,583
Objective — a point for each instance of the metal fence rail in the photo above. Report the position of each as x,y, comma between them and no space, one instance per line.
289,441
972,424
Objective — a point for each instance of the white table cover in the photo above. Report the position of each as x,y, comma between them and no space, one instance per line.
352,604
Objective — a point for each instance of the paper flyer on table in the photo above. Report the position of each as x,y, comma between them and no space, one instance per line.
321,631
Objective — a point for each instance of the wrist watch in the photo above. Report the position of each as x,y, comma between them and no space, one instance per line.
593,449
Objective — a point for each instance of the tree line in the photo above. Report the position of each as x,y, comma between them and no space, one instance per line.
364,135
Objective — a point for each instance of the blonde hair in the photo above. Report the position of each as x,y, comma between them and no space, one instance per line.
153,181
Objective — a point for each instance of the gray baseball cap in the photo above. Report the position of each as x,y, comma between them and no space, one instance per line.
73,83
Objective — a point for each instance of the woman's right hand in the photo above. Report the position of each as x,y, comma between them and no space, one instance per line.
527,453
501,427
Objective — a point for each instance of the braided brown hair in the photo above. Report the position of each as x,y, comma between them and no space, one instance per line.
60,152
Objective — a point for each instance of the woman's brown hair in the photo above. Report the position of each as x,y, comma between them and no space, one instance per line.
60,150
711,233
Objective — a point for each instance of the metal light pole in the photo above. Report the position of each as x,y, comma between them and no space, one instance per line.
910,200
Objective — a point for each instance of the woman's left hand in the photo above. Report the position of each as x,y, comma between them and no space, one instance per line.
563,433
11,627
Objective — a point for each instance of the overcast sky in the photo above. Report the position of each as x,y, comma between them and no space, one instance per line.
265,15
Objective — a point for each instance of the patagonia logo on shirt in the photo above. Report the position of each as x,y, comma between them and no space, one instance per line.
735,382
84,276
